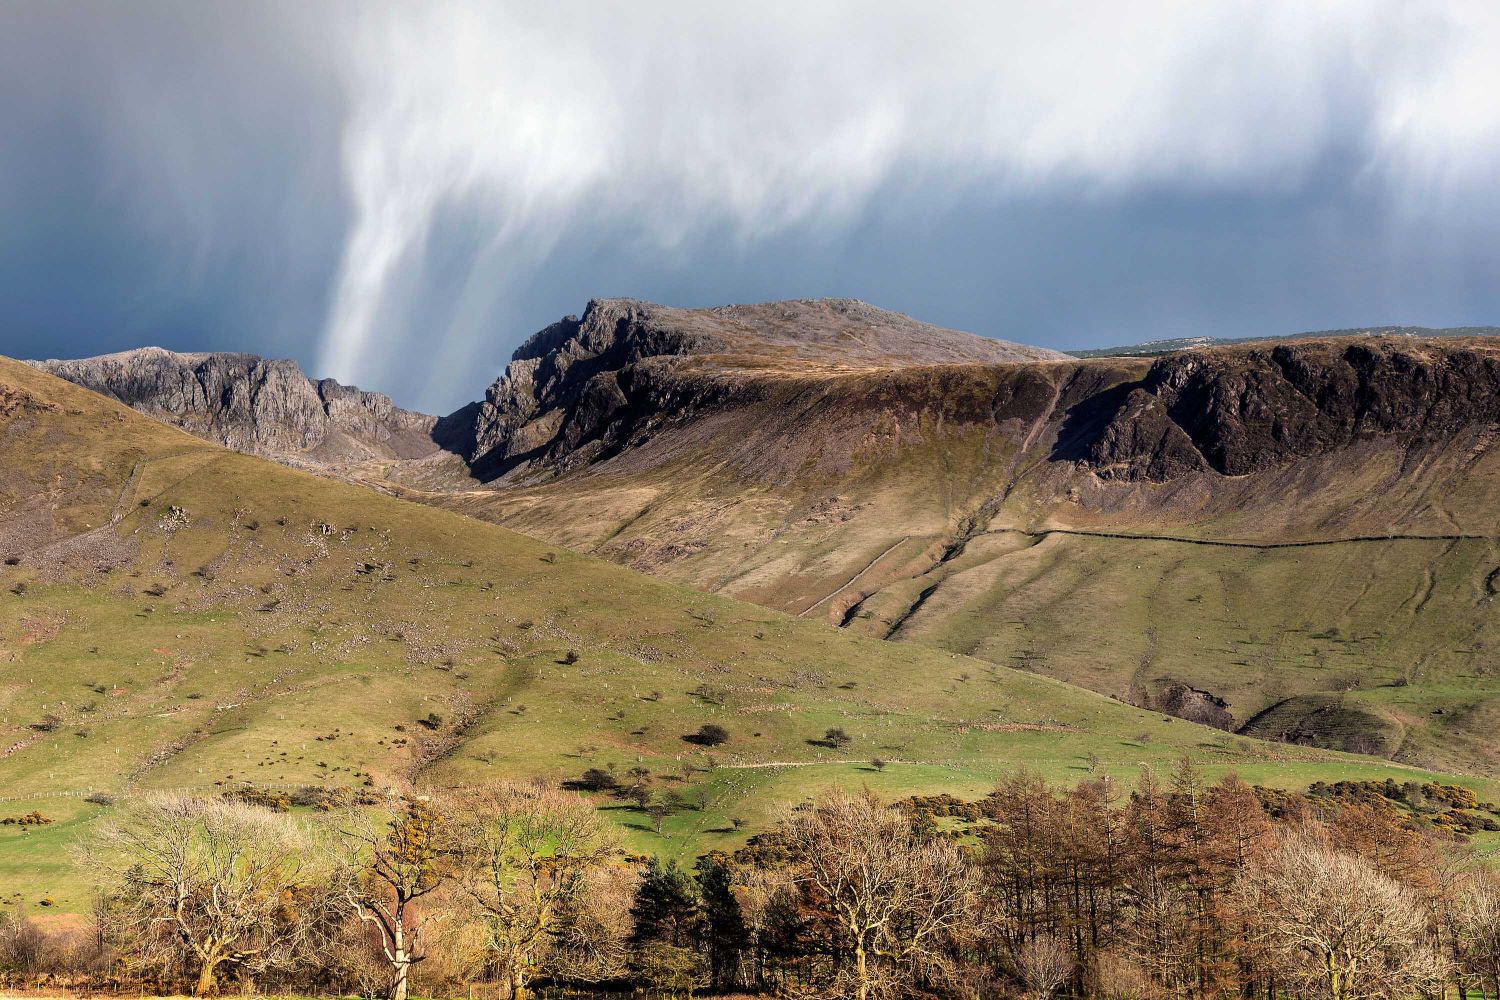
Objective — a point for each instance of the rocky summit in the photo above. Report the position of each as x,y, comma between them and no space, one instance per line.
1238,411
256,405
582,387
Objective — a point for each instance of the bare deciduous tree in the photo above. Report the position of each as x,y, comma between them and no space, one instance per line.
1477,931
390,861
1336,924
527,853
1043,963
592,932
1114,976
207,886
893,892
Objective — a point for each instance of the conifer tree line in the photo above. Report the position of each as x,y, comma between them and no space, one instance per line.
1178,888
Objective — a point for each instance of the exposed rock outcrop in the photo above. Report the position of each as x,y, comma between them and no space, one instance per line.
256,405
575,392
583,387
1241,410
1187,702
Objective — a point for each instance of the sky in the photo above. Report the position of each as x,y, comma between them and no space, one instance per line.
397,194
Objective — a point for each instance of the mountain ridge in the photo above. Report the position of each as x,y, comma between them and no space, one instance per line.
1151,348
624,358
978,506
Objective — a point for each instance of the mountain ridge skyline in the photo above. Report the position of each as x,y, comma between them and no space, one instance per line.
1143,347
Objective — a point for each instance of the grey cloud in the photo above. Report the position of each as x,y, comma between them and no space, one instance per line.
395,193
171,172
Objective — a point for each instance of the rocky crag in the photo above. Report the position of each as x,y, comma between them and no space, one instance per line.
252,404
584,388
1236,411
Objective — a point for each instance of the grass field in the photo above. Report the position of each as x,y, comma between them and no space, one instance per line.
180,616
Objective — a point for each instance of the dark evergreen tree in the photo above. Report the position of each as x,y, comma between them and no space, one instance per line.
722,922
666,906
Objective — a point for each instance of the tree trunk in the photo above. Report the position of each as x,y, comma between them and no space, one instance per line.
205,984
517,981
861,973
1335,979
400,956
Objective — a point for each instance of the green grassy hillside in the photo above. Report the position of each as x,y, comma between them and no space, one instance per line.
1347,598
174,615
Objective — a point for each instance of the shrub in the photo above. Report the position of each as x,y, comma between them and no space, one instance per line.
596,779
837,738
709,735
276,801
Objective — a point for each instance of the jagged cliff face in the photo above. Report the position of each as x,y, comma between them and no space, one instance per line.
256,405
1246,410
583,389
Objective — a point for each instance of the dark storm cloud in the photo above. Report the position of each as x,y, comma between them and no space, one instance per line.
170,174
395,194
